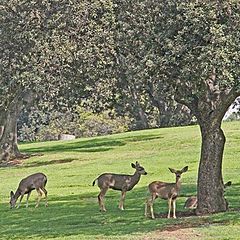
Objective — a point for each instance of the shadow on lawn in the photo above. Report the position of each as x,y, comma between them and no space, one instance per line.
78,215
46,163
91,145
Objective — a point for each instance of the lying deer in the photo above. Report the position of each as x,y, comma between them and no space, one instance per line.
166,191
35,181
191,202
119,182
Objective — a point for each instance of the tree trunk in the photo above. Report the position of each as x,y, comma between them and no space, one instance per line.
210,181
8,140
8,126
141,115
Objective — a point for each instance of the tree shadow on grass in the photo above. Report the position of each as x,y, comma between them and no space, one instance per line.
93,145
142,138
74,215
101,144
78,215
46,163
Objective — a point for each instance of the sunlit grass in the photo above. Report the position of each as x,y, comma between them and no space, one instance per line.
71,166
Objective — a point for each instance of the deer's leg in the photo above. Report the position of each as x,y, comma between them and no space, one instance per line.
20,200
45,193
39,196
28,195
123,195
174,208
146,207
153,197
101,198
169,207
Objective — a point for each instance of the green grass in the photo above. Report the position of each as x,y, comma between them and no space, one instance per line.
72,166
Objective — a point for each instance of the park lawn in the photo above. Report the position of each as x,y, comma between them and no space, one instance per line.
71,167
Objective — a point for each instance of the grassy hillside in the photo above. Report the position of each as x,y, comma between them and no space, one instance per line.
73,211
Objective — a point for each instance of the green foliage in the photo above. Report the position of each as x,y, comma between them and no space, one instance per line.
42,126
104,123
59,123
199,45
73,211
143,92
60,49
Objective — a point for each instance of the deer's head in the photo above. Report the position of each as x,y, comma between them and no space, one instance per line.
178,173
12,200
139,168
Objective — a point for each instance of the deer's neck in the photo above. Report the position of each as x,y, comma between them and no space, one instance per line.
178,184
135,179
17,194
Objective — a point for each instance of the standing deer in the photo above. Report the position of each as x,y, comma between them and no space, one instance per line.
191,202
119,182
166,191
35,181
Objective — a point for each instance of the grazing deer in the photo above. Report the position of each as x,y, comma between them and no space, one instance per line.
119,182
35,181
191,202
166,191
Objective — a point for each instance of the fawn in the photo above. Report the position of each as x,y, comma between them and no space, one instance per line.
166,191
191,202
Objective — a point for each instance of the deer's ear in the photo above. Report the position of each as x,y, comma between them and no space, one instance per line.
184,169
11,194
133,165
137,163
172,170
229,183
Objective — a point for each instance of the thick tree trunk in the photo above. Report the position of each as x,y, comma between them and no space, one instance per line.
210,181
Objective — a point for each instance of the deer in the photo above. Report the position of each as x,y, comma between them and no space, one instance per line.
120,182
36,181
191,202
166,191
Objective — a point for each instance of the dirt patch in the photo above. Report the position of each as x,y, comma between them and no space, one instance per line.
184,229
177,234
19,160
14,162
182,214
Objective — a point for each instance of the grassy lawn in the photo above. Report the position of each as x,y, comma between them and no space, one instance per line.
73,211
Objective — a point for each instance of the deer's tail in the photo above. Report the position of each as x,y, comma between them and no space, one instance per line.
94,182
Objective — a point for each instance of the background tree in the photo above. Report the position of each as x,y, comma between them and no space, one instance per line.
51,49
143,93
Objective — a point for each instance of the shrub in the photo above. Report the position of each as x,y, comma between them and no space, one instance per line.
96,124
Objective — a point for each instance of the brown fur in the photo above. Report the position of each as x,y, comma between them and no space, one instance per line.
120,182
35,181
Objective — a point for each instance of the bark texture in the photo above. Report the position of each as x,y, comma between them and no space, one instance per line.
210,181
